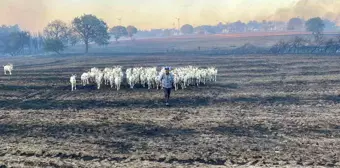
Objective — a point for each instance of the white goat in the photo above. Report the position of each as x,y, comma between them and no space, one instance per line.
116,77
73,82
99,78
133,76
8,68
118,81
92,74
84,78
183,76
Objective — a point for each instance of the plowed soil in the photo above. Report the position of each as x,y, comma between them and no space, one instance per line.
263,111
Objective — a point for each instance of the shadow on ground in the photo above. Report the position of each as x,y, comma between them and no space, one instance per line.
259,130
131,132
21,87
46,104
260,100
333,98
178,102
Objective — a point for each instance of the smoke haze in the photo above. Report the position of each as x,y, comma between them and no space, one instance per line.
33,15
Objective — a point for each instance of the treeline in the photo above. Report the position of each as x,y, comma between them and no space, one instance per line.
13,41
297,45
58,35
300,45
88,29
294,24
318,45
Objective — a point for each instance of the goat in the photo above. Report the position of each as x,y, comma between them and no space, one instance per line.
8,68
73,82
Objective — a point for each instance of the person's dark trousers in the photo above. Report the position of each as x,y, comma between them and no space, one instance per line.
167,92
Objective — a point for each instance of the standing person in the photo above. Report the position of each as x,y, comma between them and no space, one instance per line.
167,80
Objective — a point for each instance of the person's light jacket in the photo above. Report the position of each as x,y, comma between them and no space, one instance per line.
166,80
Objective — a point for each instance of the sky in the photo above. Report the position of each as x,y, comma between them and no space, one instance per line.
33,15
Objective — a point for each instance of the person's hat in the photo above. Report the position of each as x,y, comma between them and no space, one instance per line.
167,68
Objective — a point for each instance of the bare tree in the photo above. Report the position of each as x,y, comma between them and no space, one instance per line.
280,47
297,44
331,46
337,43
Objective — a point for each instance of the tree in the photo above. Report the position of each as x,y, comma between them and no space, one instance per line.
131,30
118,31
337,43
34,43
205,29
74,38
329,44
4,35
91,29
57,30
264,25
15,42
295,24
55,45
253,25
316,26
238,26
279,47
187,29
297,44
5,30
12,43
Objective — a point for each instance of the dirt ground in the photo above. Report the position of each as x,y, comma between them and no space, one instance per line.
264,111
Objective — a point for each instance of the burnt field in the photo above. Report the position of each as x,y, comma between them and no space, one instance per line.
275,111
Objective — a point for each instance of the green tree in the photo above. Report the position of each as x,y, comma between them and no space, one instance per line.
316,26
74,38
131,30
91,29
15,42
295,24
55,45
57,29
118,32
187,29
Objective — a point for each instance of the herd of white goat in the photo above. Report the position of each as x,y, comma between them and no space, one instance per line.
145,76
110,76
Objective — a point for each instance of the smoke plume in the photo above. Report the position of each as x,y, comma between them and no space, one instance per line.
327,9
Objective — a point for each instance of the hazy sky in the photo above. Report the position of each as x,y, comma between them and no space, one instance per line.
33,15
